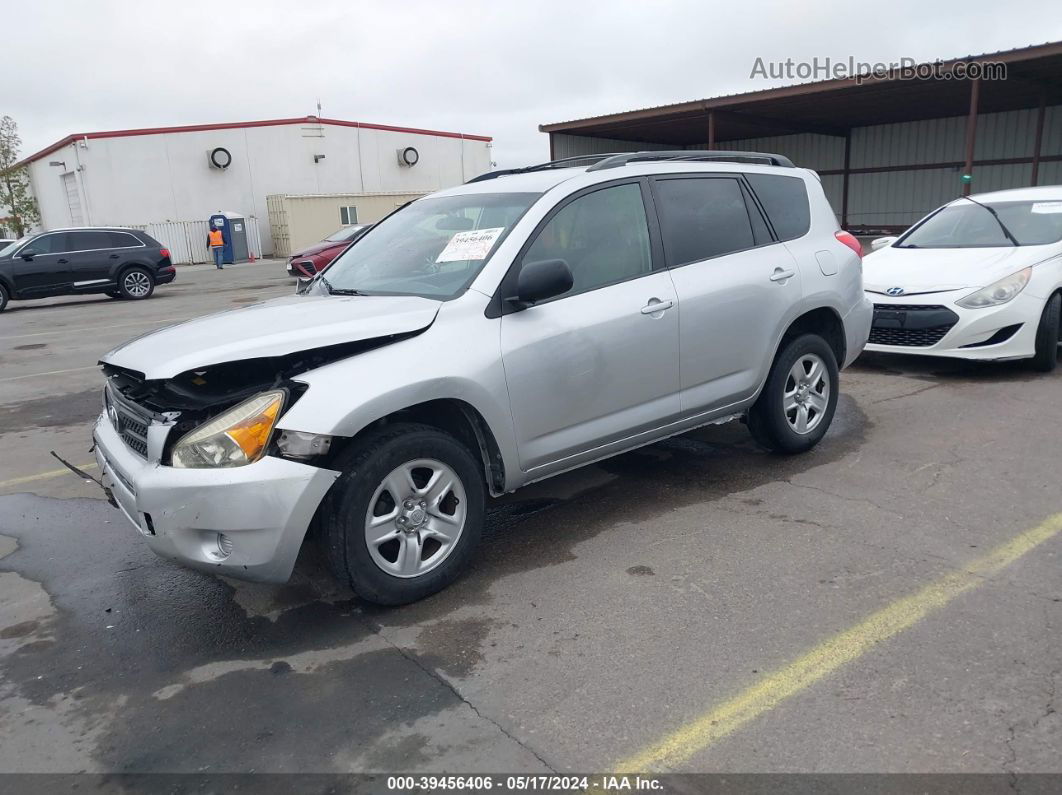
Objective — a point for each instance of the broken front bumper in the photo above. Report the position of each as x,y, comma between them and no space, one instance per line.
246,522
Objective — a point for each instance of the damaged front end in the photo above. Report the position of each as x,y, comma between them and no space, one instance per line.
152,416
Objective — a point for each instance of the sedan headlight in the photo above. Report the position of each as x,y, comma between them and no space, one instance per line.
237,437
999,293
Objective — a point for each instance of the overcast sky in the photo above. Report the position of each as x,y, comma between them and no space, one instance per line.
499,68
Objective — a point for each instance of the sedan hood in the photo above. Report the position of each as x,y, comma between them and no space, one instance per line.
933,270
273,328
318,248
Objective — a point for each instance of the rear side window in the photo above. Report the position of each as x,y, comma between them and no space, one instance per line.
122,240
702,218
88,241
786,201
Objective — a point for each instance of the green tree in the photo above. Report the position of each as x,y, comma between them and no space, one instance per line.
14,181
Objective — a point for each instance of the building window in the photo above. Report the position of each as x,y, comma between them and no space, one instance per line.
348,215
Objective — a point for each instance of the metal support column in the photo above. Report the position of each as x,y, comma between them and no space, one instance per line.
711,129
971,132
844,179
1039,140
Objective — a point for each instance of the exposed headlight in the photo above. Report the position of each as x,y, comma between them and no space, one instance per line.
237,437
999,293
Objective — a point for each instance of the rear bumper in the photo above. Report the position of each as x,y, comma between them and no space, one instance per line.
263,509
165,277
975,327
857,330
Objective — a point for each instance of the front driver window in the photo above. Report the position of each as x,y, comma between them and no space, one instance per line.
602,236
46,244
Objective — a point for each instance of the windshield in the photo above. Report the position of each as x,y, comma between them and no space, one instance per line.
9,249
434,247
346,233
969,225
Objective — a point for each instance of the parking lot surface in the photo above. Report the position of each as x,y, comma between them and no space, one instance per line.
890,601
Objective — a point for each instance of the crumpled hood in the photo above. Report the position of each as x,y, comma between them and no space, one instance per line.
273,328
934,270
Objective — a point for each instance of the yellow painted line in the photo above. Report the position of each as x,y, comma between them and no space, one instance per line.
50,372
52,473
824,659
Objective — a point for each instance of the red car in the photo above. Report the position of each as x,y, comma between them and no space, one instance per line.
314,259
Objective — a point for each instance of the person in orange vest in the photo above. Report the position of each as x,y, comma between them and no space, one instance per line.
216,244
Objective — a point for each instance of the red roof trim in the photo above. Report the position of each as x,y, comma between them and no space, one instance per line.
240,124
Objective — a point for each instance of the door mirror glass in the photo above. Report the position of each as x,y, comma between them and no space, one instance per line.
882,242
543,279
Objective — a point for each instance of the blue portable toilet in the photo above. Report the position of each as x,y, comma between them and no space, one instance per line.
234,232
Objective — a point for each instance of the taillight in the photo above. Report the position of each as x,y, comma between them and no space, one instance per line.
164,253
850,240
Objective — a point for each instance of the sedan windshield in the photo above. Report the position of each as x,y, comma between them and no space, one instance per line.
434,247
971,225
10,247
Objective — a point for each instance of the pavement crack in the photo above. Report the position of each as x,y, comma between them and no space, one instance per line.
905,394
413,658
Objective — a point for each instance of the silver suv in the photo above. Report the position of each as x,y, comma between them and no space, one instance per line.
477,340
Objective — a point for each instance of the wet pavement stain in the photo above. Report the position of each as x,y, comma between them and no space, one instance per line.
453,646
34,346
53,411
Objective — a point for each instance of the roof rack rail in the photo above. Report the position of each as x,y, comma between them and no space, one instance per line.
615,161
564,162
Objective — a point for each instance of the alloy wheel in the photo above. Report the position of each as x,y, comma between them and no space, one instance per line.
137,284
807,393
415,518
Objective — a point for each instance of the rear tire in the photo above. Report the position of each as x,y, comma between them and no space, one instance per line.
1048,336
136,284
798,401
388,547
4,298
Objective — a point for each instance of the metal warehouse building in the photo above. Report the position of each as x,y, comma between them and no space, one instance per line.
888,150
169,180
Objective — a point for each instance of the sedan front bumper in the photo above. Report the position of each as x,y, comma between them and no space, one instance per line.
996,333
263,509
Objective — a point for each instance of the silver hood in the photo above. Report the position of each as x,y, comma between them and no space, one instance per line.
272,328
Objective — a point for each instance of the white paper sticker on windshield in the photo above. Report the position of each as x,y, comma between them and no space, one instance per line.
1047,207
469,245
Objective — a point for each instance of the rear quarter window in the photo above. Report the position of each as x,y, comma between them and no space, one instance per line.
785,199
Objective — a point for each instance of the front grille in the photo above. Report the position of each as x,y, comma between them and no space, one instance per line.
917,325
130,425
911,338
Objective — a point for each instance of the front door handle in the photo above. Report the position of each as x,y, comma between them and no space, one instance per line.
114,256
62,261
656,305
780,275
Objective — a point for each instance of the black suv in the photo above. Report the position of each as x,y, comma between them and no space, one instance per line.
123,263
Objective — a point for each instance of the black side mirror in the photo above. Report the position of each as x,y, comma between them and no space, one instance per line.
541,280
27,255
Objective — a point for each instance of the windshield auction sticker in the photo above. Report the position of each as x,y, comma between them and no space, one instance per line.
1047,207
474,245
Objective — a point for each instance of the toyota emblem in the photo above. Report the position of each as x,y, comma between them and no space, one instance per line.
894,291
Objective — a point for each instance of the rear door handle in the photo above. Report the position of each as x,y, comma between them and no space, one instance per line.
114,256
62,261
780,275
656,305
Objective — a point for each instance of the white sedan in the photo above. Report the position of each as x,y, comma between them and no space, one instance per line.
979,278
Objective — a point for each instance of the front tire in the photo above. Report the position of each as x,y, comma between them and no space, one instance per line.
136,284
4,298
405,517
798,401
1048,336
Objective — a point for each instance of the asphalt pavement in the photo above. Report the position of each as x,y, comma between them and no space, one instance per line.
889,602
